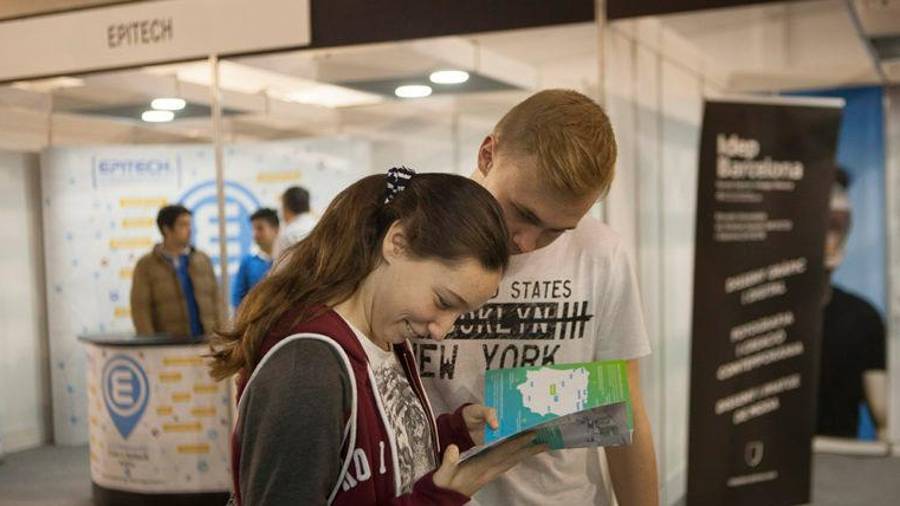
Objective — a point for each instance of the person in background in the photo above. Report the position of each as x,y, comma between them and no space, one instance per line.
174,289
255,265
852,369
298,220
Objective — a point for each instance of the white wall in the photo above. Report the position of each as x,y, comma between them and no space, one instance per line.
24,358
655,83
781,46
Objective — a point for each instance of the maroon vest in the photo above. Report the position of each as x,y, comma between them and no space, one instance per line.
369,475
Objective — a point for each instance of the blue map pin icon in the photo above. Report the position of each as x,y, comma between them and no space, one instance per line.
125,392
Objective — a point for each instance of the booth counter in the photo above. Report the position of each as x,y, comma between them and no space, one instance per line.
159,425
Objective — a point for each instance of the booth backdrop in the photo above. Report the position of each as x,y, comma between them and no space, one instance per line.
99,209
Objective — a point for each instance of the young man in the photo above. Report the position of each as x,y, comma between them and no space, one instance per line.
174,289
569,295
298,220
255,265
853,356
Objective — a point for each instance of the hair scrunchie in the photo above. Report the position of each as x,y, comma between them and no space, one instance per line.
397,179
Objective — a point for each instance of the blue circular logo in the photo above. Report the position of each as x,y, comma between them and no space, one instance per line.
240,203
125,392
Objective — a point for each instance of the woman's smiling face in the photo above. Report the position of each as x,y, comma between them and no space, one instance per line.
423,297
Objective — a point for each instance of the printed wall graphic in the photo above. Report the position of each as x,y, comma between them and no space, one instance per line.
99,207
766,170
157,422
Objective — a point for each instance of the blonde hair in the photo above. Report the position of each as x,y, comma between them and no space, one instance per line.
570,136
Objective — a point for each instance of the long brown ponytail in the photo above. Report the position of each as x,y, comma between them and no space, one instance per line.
445,216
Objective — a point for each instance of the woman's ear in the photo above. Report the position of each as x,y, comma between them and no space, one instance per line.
394,245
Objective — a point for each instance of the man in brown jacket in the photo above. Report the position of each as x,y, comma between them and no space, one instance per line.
174,289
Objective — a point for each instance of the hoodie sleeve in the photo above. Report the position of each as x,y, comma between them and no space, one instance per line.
452,430
291,427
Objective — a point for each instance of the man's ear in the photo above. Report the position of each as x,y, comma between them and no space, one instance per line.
486,154
395,245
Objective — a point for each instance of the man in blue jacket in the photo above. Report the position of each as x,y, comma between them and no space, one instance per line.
255,265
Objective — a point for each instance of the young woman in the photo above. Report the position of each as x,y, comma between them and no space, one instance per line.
331,408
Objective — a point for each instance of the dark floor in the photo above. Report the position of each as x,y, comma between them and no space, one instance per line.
60,476
849,481
52,475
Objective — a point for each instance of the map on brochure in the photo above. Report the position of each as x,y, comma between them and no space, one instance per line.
569,405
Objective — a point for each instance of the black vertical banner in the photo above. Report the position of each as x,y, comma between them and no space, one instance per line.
766,170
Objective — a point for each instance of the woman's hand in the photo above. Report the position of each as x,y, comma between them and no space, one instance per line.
468,477
476,417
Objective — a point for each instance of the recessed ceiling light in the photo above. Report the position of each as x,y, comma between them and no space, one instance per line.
413,91
157,116
449,76
168,104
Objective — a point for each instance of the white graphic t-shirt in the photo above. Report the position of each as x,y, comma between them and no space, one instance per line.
575,300
405,413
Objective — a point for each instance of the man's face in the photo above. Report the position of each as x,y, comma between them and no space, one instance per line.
836,238
264,234
180,233
535,215
838,227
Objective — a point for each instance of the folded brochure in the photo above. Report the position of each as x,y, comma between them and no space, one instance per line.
568,405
